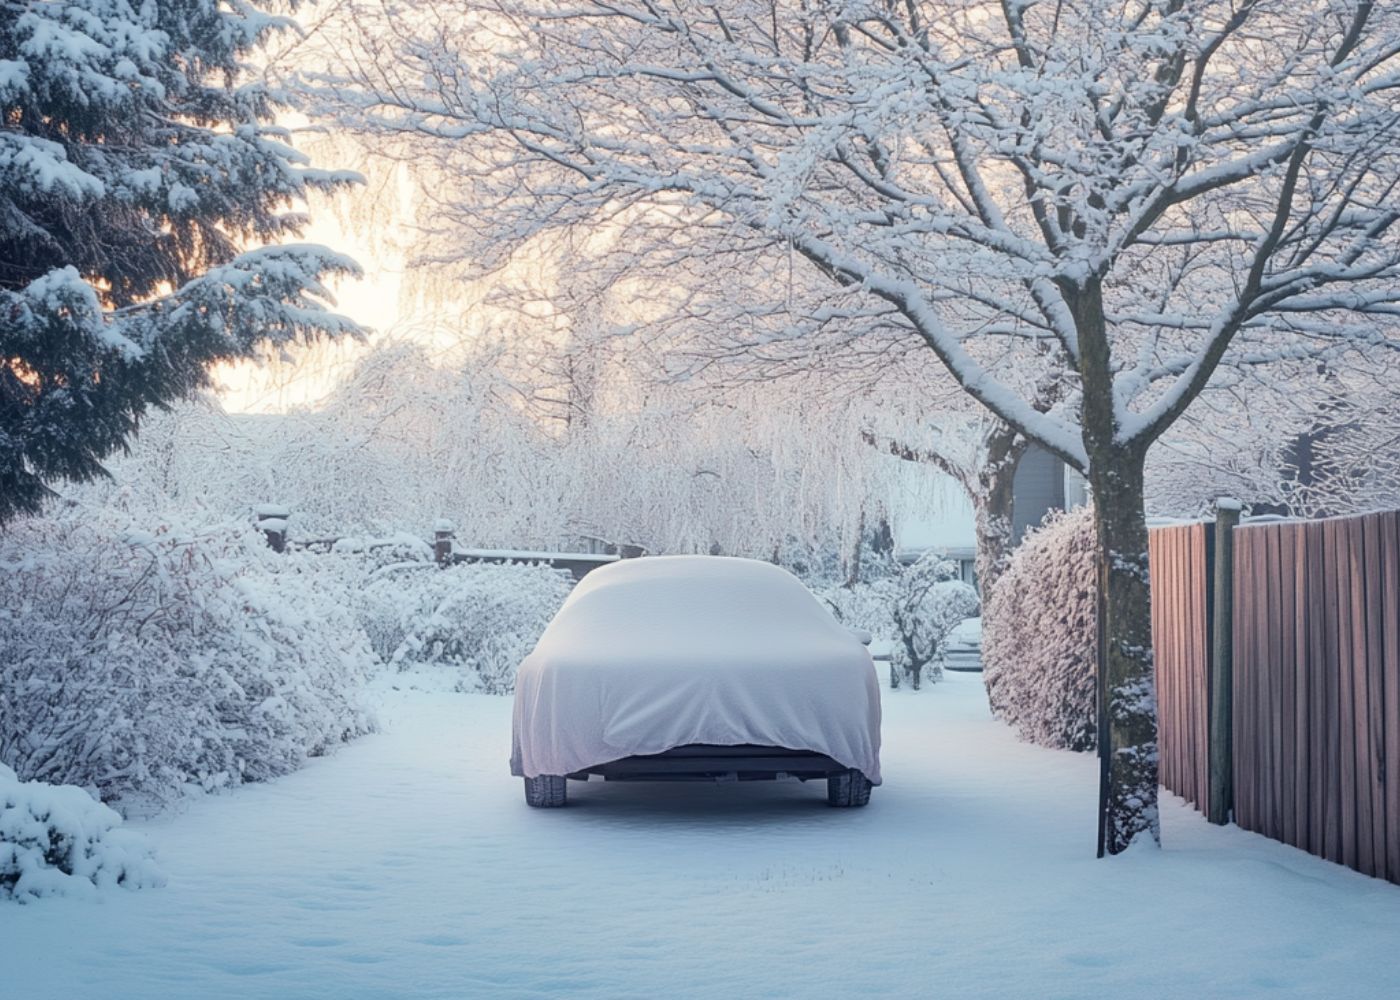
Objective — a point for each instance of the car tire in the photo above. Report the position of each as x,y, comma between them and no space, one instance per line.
548,791
848,789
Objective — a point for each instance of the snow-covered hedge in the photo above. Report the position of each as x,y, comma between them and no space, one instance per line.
59,840
482,617
1040,636
144,657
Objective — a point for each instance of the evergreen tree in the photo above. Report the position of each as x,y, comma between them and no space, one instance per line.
138,153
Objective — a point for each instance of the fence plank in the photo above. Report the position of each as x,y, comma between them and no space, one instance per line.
1390,545
1317,690
1160,654
1346,745
1375,686
1336,795
1284,629
1360,692
1167,663
1181,666
1263,693
1245,609
1201,681
1273,757
1264,685
1220,678
1302,690
1186,685
1178,562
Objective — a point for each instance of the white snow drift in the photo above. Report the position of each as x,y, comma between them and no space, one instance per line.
58,840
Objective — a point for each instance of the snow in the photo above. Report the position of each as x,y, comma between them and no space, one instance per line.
482,618
148,657
59,840
409,863
655,653
399,540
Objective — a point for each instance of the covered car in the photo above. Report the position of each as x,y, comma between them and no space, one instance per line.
696,668
963,649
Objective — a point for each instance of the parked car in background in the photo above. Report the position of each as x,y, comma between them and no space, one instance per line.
696,668
963,650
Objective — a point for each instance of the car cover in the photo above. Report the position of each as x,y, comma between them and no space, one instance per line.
659,652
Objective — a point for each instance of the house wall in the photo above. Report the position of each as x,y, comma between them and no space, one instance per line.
1039,487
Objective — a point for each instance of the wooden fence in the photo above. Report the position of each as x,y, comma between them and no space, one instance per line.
271,520
1308,676
1180,557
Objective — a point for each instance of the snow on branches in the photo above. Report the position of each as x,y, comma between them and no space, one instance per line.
1129,191
484,619
915,606
146,657
929,603
140,154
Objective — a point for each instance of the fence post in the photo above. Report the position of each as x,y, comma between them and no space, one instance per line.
1222,748
443,532
272,522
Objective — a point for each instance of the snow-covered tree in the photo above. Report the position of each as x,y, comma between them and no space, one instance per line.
1311,445
1129,195
407,440
139,157
929,602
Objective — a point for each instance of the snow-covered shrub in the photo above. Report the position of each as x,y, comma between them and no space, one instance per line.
1040,637
916,608
868,606
929,602
141,658
483,617
59,840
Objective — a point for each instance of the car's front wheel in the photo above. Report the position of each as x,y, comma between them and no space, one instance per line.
848,789
548,791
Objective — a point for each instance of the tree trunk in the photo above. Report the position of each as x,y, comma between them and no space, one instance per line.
993,503
853,561
1127,690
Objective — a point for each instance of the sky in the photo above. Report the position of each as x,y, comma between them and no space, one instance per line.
376,301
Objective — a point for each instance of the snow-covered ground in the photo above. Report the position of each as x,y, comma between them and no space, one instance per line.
409,865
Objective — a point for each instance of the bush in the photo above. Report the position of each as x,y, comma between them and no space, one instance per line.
917,608
865,605
59,840
484,618
141,660
1040,634
929,604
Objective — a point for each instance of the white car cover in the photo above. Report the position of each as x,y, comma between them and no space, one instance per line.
654,653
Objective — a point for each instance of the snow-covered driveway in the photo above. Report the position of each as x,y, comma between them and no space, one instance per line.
409,865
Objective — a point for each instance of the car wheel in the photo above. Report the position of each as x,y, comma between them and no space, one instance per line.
848,789
548,791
